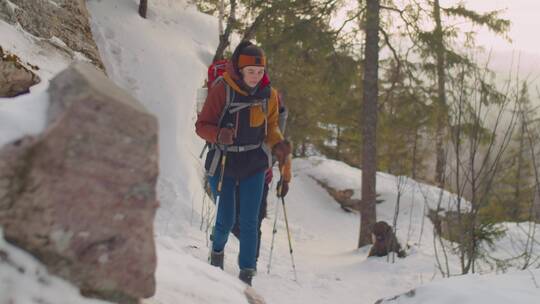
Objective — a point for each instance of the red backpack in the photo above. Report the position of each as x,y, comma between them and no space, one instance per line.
215,70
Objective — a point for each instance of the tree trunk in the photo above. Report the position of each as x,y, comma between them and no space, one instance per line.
143,7
368,213
414,152
249,33
536,206
441,92
338,144
516,208
224,38
303,149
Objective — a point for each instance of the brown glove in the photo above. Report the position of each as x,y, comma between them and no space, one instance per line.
225,136
282,150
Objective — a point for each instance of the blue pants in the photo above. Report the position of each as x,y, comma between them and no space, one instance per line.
250,191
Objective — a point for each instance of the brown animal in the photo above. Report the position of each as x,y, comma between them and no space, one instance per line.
384,241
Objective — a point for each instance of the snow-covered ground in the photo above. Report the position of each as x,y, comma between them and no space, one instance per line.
26,114
162,60
516,287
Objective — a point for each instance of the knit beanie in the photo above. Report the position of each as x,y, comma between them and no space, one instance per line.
248,54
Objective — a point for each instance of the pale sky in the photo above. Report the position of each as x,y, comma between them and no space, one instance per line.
523,14
524,32
525,28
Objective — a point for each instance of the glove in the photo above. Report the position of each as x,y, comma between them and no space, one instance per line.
284,188
225,136
282,150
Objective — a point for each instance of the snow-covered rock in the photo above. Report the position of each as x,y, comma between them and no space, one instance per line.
15,78
24,280
63,24
81,195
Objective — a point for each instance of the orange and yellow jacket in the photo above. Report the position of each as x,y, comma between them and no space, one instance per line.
252,124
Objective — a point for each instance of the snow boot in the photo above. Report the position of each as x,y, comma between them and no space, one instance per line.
246,275
216,259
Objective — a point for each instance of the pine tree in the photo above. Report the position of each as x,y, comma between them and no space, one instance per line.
514,195
438,43
368,212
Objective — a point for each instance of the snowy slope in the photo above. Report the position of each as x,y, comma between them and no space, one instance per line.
26,114
162,61
517,287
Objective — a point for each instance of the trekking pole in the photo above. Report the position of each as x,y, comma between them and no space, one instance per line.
289,236
287,224
218,196
274,231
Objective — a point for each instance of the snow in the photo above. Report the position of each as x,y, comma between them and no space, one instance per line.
340,176
162,61
185,279
25,114
517,287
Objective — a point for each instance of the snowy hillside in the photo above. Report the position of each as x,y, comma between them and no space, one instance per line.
26,114
162,61
517,287
174,46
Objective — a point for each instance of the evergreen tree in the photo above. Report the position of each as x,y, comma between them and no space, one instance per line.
368,212
514,196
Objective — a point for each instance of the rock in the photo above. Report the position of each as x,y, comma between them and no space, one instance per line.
344,197
25,280
396,299
15,79
384,241
64,23
81,196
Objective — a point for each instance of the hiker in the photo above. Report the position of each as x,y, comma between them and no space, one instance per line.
240,121
283,113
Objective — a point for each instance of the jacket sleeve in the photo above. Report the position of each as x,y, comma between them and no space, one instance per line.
274,134
207,121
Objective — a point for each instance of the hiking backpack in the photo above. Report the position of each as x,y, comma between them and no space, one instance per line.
215,75
215,71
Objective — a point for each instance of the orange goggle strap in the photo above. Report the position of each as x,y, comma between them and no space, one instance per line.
246,60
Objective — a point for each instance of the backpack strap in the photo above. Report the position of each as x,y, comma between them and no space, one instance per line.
237,106
228,100
217,153
265,109
218,79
